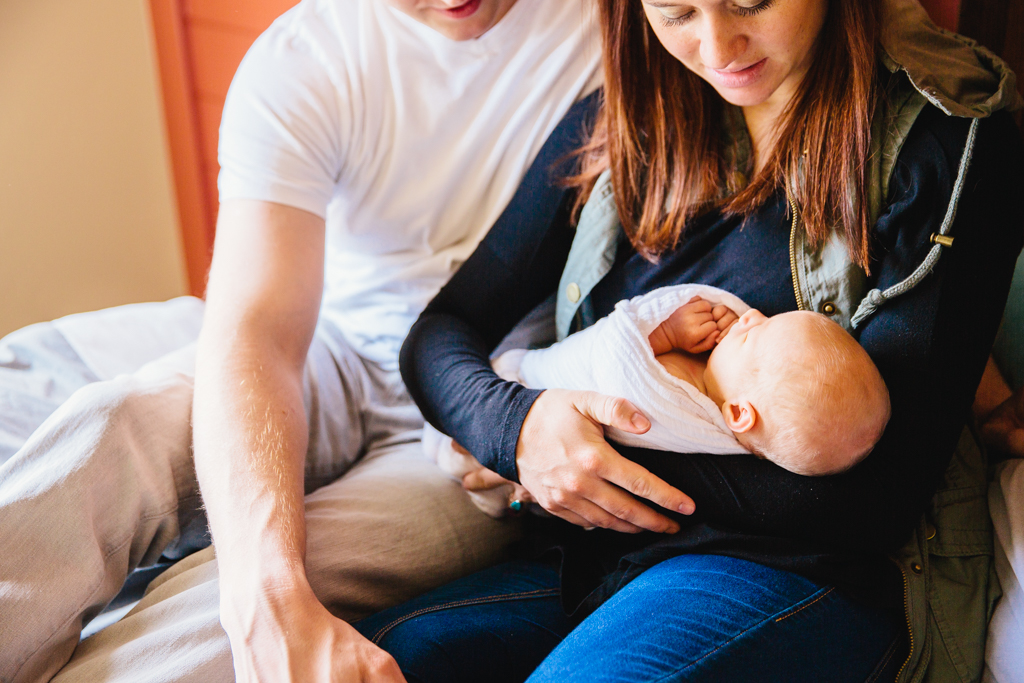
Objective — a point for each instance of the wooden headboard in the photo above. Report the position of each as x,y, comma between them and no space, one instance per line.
199,45
201,42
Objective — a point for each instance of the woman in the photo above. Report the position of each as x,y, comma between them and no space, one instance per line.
781,150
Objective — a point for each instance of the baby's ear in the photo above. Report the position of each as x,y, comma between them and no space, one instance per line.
740,417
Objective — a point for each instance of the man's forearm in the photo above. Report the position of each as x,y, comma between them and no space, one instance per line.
250,432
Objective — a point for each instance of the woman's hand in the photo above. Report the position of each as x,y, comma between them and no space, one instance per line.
572,472
1002,430
999,413
483,479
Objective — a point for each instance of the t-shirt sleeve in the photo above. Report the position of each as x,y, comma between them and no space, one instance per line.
285,124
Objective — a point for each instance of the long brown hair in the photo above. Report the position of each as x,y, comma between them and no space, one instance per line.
660,132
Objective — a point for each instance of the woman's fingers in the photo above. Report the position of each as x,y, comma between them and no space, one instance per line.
596,516
566,463
520,493
611,411
573,518
603,505
627,475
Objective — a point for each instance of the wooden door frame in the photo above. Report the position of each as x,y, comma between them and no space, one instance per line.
197,218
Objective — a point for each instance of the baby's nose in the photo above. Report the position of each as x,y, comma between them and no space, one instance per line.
750,318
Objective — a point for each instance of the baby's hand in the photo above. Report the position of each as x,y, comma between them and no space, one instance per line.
693,328
724,317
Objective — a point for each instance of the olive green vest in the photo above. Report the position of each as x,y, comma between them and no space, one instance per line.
950,586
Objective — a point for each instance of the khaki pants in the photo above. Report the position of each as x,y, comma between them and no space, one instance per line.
99,480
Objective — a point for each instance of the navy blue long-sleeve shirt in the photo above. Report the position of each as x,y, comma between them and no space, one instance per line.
930,345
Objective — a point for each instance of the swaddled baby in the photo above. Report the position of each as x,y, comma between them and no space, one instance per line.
795,388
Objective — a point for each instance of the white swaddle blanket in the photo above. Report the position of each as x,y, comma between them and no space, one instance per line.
614,357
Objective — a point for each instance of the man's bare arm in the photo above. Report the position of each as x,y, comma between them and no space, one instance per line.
251,434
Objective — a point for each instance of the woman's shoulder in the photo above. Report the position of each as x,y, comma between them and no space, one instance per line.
924,182
937,145
938,137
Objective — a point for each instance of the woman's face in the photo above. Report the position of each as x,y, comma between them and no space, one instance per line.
752,52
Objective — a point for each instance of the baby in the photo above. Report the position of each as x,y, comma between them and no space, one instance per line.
795,388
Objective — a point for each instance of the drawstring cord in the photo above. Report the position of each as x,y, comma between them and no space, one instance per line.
875,297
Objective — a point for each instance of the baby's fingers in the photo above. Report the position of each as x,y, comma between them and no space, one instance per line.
726,320
707,343
694,305
721,312
701,338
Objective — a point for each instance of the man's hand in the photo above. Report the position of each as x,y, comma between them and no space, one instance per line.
694,327
290,636
572,472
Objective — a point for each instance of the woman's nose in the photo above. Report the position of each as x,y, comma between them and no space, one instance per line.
721,45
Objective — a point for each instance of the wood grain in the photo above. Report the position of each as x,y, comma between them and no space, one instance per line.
183,137
199,46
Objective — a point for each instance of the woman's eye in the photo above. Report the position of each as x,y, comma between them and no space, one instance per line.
755,9
673,17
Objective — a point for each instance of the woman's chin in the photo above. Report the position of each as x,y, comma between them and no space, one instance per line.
742,97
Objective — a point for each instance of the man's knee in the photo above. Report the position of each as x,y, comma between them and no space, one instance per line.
133,403
393,527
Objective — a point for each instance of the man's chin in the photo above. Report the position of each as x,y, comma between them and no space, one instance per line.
468,21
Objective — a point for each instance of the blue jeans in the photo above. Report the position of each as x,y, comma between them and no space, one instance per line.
690,618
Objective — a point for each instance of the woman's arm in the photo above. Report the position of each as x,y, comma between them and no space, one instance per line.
445,364
930,355
514,269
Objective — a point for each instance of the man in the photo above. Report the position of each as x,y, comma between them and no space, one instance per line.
366,147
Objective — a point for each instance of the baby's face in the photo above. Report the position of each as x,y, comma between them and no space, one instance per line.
737,354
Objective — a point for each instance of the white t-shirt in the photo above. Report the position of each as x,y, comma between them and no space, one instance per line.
408,144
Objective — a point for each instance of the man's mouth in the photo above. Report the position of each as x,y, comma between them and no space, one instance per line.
463,11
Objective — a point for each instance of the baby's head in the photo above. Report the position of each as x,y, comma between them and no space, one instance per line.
798,390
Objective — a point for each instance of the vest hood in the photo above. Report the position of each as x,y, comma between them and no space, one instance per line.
952,72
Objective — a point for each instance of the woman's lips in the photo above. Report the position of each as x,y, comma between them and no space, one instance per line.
740,78
463,11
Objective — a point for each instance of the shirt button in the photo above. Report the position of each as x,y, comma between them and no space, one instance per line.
916,568
573,292
829,308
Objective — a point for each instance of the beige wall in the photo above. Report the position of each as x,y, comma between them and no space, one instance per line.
87,218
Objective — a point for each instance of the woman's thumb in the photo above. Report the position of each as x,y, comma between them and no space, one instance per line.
613,412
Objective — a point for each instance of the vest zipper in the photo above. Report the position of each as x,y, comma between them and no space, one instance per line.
906,615
792,259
